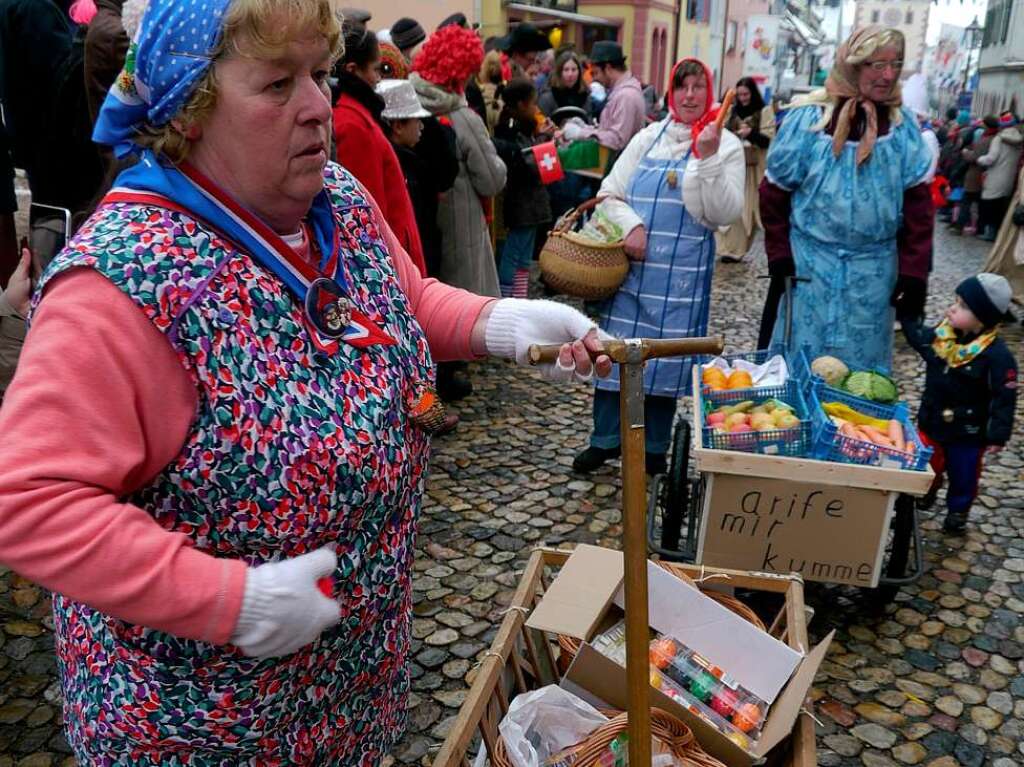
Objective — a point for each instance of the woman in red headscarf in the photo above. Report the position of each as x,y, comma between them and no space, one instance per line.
668,192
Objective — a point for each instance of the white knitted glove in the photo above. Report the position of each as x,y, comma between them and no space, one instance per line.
516,323
283,609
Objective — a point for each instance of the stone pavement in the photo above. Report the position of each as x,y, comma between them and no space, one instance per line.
936,678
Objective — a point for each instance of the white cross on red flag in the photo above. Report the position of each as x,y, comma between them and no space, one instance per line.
548,164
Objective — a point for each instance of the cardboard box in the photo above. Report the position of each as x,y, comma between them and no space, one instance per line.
581,602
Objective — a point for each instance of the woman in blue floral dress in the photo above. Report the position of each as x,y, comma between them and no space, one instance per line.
216,442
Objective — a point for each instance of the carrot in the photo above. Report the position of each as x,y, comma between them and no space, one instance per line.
862,435
723,110
847,430
874,431
896,435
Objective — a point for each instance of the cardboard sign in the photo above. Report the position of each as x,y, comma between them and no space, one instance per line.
826,533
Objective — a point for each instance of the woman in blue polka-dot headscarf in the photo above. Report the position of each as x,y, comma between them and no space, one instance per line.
216,443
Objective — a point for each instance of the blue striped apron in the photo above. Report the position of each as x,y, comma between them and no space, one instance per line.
667,295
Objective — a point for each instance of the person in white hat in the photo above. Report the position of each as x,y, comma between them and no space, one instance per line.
403,112
403,117
970,390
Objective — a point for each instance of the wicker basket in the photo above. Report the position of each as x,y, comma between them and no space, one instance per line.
672,733
581,267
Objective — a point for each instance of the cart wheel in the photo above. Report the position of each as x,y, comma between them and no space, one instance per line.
899,553
677,487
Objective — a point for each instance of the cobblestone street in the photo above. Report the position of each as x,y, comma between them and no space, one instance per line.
935,678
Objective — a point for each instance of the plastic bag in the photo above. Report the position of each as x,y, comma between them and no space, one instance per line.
772,373
600,228
542,723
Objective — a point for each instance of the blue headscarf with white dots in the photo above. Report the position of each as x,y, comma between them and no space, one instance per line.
166,60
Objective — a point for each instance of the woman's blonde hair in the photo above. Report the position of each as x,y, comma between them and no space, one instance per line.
259,29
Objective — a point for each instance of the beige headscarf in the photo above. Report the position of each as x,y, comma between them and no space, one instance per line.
842,83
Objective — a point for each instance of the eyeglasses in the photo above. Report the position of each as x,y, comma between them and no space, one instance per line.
881,66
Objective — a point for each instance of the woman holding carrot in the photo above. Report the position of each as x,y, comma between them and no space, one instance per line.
675,183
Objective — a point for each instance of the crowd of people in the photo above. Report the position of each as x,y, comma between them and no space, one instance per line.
281,258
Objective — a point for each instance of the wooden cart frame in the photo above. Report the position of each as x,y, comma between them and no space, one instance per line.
521,659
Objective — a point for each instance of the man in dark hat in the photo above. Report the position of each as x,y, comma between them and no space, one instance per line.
522,45
407,34
624,112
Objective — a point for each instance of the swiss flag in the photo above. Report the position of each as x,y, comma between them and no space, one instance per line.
548,164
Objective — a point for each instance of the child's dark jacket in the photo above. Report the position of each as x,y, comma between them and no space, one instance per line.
973,403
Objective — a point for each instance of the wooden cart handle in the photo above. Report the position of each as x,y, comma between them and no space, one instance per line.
652,347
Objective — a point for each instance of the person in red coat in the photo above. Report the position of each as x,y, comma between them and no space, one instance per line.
362,146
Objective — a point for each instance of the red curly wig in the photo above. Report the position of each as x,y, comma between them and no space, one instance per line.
449,57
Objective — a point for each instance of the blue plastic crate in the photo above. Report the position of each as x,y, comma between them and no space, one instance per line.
758,358
800,367
794,442
830,445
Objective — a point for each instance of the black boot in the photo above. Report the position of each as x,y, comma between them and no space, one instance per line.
452,382
656,464
956,522
593,458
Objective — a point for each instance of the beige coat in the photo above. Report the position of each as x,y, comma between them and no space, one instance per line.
467,259
1007,254
735,241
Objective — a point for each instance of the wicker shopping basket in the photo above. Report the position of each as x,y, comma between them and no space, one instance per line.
578,266
673,734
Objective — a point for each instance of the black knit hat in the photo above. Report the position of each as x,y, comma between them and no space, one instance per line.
988,297
407,33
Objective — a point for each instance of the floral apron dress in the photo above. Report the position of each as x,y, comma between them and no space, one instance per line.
668,294
290,450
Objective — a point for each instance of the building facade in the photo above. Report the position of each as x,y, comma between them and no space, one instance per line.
908,16
1001,67
740,12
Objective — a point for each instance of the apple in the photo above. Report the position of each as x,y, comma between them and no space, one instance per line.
716,418
734,419
788,421
762,421
741,428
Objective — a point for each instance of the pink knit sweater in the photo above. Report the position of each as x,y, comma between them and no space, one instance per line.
99,406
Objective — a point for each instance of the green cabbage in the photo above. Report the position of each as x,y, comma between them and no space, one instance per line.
873,386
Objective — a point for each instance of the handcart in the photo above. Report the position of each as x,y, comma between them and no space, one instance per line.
688,518
679,498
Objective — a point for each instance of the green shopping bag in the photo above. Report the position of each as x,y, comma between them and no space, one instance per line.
580,155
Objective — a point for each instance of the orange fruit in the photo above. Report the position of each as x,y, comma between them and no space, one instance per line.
739,379
713,378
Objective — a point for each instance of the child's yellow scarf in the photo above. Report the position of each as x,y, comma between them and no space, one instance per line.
956,354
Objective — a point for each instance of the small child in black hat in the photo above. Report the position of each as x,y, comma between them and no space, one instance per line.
970,390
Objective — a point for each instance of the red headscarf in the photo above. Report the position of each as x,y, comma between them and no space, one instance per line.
710,111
